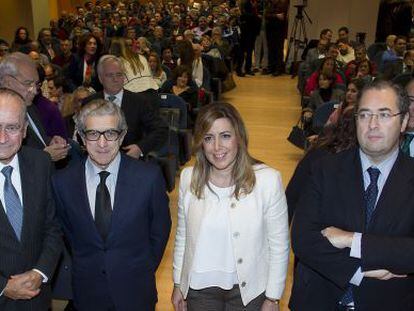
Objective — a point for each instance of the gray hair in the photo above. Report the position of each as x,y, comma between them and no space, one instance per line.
108,58
9,66
99,107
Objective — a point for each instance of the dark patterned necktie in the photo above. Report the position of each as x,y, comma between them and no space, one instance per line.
103,209
370,197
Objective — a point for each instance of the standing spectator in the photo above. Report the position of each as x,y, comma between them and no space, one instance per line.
82,69
276,28
47,45
21,39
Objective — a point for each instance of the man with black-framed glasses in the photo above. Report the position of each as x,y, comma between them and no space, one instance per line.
146,130
353,230
114,213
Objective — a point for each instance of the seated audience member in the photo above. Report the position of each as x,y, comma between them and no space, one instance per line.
47,44
365,71
360,55
182,85
326,92
346,52
4,48
158,74
354,87
202,28
389,42
167,58
334,139
397,52
65,57
59,92
189,35
343,35
138,77
146,130
144,47
21,39
393,69
159,42
327,67
331,51
71,108
217,42
82,69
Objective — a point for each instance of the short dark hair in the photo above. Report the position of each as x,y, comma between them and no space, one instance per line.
324,32
403,101
344,28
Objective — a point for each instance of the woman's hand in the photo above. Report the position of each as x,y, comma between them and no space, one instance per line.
178,301
269,306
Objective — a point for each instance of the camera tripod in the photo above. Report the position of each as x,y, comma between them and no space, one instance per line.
298,38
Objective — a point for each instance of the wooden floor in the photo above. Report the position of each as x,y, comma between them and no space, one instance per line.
269,107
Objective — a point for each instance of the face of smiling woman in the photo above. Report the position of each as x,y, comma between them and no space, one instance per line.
220,145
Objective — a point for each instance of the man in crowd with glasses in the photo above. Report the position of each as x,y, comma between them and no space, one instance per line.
146,130
353,229
30,238
18,72
114,212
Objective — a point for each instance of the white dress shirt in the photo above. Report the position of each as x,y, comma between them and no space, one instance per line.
118,97
92,180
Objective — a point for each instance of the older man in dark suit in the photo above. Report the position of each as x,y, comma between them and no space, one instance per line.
146,130
353,228
30,239
118,223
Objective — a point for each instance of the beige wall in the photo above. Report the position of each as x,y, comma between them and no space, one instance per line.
15,13
358,15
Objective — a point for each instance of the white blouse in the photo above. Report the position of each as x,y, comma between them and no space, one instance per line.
214,263
142,80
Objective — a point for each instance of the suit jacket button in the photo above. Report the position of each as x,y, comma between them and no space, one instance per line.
236,235
243,284
233,205
239,261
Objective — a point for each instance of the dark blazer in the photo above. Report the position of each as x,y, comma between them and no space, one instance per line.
393,69
334,197
41,243
145,126
32,140
75,74
124,267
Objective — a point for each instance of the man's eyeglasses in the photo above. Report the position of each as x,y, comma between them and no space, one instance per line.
383,116
28,83
12,129
110,135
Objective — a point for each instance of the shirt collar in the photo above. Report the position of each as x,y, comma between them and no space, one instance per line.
93,170
117,95
384,167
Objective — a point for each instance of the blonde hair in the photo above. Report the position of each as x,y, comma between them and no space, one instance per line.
120,49
243,174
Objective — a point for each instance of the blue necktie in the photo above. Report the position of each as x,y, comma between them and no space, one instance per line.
370,197
11,199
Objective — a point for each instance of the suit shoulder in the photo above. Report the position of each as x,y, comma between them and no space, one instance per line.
265,173
35,155
134,165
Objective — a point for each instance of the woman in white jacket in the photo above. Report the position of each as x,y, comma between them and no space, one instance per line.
232,242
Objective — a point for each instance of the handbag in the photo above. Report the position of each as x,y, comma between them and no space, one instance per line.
297,135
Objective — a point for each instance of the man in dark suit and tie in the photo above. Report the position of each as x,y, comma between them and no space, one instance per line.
398,67
353,228
146,130
30,238
18,72
118,222
407,142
